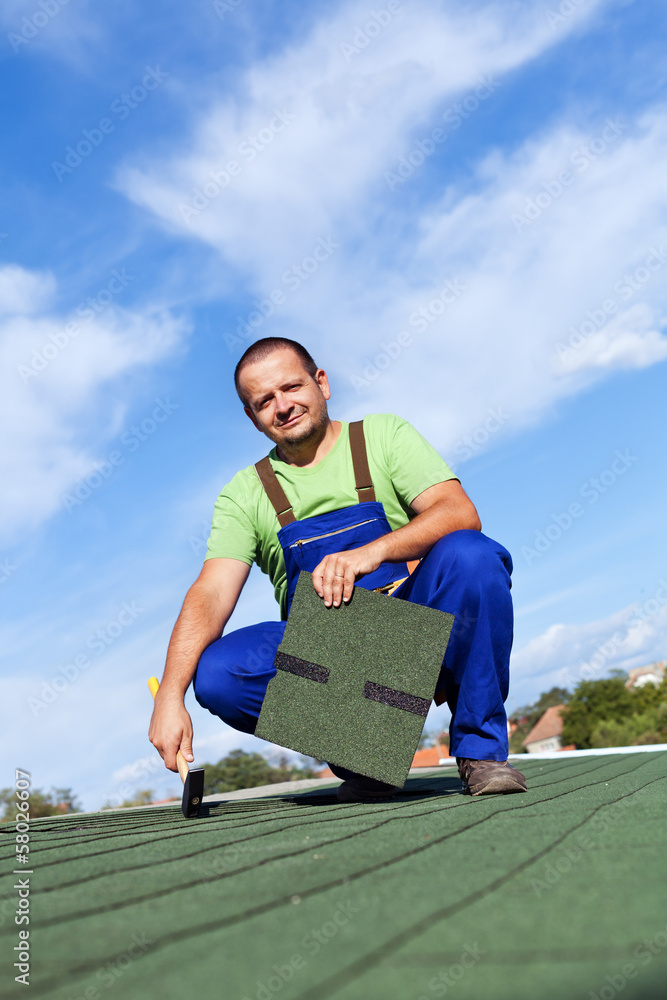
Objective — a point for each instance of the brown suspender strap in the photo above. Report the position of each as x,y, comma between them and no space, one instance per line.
362,474
275,492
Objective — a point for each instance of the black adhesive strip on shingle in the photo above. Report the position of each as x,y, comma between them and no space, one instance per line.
302,668
396,699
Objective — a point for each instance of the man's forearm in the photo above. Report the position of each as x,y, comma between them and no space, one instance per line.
441,509
207,608
415,539
200,623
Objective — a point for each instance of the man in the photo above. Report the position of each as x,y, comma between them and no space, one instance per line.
308,490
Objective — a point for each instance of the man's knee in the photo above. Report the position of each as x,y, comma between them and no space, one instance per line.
206,681
233,673
472,552
218,690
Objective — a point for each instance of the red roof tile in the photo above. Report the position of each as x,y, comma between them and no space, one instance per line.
551,724
430,756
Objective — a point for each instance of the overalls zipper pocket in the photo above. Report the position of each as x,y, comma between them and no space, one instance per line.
338,531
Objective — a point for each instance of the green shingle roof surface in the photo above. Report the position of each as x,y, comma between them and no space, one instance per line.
560,892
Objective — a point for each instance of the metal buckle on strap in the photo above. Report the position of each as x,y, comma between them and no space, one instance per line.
389,588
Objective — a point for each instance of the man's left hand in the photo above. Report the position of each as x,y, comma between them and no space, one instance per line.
334,577
440,509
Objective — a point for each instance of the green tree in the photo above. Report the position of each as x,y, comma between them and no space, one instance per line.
248,770
650,696
594,702
57,802
532,713
605,713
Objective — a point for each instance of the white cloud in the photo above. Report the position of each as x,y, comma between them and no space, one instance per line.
22,292
578,591
56,389
564,655
139,770
321,174
527,289
628,341
64,29
345,122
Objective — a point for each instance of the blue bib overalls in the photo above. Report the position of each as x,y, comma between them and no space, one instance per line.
465,573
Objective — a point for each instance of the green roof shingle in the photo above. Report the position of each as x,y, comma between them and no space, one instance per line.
543,894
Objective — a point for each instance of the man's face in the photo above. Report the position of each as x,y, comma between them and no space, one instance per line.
283,400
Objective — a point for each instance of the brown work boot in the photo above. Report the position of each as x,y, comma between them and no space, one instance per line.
362,789
489,777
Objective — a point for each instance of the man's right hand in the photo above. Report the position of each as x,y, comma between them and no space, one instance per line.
206,610
171,729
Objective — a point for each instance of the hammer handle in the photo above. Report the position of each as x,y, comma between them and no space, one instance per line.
183,769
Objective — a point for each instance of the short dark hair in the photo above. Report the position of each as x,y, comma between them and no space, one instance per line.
262,348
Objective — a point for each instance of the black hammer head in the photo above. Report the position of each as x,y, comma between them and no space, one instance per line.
193,792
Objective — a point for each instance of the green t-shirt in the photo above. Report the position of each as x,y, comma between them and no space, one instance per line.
402,465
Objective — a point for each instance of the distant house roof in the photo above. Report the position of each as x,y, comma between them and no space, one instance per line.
550,725
430,756
651,673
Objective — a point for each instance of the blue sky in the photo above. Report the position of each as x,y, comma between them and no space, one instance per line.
485,188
